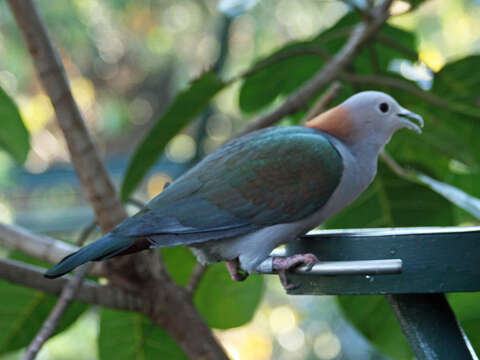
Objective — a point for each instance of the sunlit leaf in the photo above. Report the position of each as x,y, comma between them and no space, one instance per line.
289,67
14,137
185,107
131,336
224,303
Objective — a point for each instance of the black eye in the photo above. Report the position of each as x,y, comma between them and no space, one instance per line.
383,107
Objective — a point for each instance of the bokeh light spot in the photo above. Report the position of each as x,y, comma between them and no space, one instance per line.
156,184
327,346
181,148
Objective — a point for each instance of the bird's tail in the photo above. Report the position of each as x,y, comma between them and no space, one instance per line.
104,248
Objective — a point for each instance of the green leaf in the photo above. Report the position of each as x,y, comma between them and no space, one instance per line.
14,137
222,302
225,303
289,67
467,311
389,202
180,262
186,106
131,336
22,313
23,310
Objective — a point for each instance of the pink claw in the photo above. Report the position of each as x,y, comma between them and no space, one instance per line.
233,267
283,264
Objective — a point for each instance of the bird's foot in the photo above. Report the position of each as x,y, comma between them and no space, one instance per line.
236,273
283,264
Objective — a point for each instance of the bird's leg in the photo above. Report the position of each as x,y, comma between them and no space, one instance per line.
236,274
282,264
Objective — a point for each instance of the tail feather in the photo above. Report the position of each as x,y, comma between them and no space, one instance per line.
104,248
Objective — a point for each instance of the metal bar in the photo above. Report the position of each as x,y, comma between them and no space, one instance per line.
431,328
363,267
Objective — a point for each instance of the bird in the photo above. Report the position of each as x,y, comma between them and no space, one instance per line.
262,190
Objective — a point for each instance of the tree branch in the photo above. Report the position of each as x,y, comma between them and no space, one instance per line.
195,278
322,103
40,247
90,169
50,324
168,304
362,33
394,83
66,297
19,273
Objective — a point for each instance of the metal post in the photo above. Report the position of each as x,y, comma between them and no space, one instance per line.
431,328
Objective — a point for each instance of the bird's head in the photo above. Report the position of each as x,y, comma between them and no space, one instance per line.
369,116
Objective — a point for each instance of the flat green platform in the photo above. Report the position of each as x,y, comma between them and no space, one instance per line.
434,260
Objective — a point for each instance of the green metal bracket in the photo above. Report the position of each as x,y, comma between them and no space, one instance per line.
433,261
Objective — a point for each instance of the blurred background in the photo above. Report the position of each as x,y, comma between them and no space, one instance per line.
126,60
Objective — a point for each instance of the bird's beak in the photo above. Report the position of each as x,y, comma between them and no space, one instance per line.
406,116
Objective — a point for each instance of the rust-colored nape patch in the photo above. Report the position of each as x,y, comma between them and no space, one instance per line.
336,121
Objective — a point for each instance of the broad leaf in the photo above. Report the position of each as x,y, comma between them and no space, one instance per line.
467,312
14,137
186,106
131,336
292,65
23,311
222,302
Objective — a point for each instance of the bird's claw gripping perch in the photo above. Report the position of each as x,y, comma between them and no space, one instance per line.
283,264
236,274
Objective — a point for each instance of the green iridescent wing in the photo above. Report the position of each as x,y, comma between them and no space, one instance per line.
277,175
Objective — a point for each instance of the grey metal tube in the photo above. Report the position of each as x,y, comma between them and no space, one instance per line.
363,267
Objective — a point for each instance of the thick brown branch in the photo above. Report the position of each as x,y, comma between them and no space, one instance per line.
90,292
89,167
168,306
361,34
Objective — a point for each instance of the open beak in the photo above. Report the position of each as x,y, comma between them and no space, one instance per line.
407,116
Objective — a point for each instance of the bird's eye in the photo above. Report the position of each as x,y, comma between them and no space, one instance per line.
383,107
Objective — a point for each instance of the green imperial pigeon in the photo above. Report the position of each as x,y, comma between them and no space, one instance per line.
262,190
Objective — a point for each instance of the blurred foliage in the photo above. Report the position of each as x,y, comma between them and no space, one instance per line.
119,56
14,137
131,336
24,310
188,104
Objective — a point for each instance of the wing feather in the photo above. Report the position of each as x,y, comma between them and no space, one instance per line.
272,176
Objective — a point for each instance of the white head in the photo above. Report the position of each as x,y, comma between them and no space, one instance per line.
367,118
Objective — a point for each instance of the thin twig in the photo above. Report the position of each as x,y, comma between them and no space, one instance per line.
195,278
90,292
382,80
394,44
66,297
324,101
53,319
360,35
